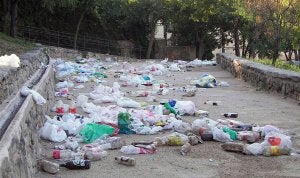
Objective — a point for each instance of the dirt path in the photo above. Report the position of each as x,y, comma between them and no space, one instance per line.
208,159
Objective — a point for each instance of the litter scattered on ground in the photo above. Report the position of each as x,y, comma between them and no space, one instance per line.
86,126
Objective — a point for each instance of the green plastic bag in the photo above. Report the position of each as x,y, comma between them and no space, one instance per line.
98,74
93,131
124,122
232,133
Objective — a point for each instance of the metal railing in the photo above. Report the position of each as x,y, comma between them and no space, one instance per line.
84,42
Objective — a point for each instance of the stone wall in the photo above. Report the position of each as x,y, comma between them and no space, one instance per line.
56,52
20,148
12,78
284,82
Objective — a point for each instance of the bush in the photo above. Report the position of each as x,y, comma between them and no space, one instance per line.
279,64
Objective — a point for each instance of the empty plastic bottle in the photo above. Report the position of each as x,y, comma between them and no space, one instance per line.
66,154
125,160
60,107
77,164
95,156
214,103
72,108
49,166
231,115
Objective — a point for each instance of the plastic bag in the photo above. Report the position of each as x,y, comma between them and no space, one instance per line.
39,99
124,122
174,67
254,149
173,139
93,131
206,81
25,91
185,107
278,139
128,103
220,136
53,132
81,99
270,128
182,127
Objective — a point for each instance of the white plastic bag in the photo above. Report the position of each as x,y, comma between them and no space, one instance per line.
25,91
220,136
53,132
81,99
39,99
174,67
128,103
185,107
254,149
182,127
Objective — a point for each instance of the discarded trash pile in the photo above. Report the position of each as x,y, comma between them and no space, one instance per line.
91,124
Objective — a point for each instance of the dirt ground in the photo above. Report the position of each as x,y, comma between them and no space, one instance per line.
207,159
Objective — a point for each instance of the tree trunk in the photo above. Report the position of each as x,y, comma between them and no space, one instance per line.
223,41
298,59
14,18
150,43
201,45
78,27
236,37
3,15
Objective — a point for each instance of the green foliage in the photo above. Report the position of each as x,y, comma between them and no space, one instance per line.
279,64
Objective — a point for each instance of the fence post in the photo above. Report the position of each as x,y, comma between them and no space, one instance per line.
49,38
140,52
108,50
29,33
84,42
58,39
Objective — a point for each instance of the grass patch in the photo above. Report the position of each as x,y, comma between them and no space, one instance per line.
279,64
9,45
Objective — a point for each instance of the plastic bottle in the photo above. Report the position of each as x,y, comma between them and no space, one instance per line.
231,115
111,143
77,164
139,93
125,160
249,136
65,154
49,166
72,108
131,150
276,151
60,107
214,103
242,127
95,156
168,107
